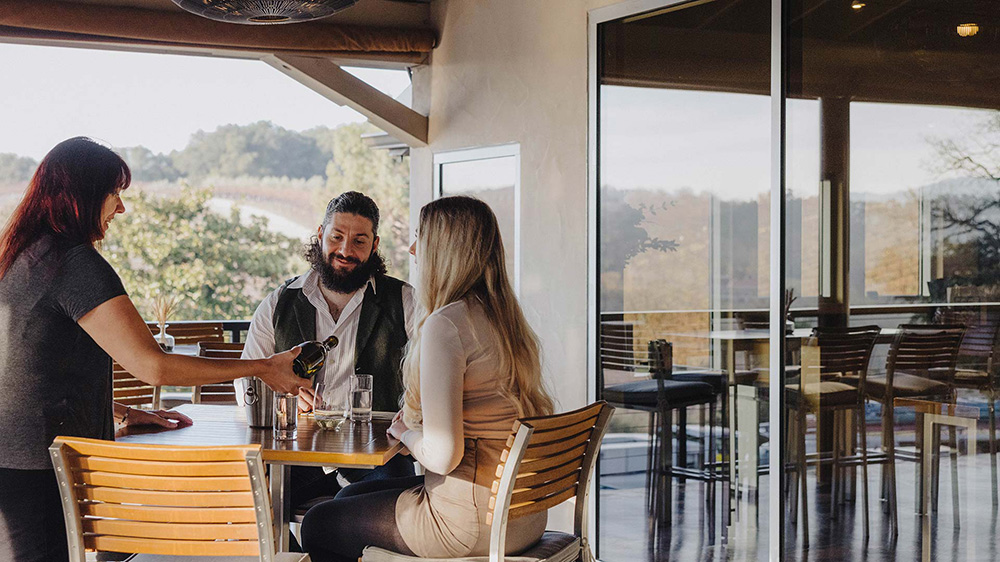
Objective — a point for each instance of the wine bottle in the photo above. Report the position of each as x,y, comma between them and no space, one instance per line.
313,356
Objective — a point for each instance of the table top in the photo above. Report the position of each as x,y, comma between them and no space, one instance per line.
926,406
354,445
885,335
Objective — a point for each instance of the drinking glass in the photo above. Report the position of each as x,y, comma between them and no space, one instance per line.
286,411
330,404
361,398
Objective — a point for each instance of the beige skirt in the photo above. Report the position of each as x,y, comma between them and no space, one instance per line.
446,517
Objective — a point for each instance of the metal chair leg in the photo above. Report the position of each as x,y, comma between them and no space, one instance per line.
893,505
802,477
835,467
991,395
953,436
884,489
862,431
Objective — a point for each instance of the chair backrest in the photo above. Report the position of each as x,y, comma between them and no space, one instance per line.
982,337
155,499
926,350
224,350
844,351
547,461
190,333
131,391
223,392
616,350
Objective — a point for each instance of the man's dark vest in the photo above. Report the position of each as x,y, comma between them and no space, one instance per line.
381,339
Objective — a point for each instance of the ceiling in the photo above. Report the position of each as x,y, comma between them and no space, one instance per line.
902,51
377,33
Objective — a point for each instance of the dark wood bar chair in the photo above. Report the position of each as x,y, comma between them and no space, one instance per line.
218,393
192,333
661,396
130,391
978,367
921,364
833,374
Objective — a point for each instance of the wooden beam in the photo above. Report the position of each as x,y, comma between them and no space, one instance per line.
343,88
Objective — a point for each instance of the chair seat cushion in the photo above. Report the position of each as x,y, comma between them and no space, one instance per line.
715,379
552,547
905,385
973,378
824,394
647,393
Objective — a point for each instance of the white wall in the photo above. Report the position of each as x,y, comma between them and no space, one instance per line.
510,71
516,71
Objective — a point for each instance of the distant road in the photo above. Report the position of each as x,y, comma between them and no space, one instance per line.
276,222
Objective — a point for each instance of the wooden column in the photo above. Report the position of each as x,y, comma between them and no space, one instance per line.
834,238
835,211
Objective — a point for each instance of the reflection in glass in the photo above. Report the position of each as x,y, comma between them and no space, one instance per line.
684,152
893,154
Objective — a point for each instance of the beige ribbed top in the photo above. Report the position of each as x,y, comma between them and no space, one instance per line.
466,422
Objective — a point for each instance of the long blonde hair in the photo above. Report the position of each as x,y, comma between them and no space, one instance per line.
461,257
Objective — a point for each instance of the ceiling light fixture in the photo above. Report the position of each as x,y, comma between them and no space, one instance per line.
263,12
857,4
967,29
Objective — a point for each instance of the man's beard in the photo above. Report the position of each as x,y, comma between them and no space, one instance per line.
346,282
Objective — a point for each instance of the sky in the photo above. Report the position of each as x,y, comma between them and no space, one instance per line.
49,94
720,142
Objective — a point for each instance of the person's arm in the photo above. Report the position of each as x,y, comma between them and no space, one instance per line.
116,326
440,444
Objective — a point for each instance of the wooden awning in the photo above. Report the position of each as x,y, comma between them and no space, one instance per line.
146,28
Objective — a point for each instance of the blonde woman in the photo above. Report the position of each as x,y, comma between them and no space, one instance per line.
471,370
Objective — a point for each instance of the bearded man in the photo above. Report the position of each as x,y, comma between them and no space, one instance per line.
346,293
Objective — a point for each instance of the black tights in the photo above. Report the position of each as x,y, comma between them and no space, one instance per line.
363,514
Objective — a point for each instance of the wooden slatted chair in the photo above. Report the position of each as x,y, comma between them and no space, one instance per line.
223,392
131,391
921,364
547,461
979,367
165,500
832,379
191,333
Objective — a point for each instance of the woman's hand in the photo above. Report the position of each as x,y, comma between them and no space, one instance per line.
165,418
398,427
278,373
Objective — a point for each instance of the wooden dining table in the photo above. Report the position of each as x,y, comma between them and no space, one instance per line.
354,445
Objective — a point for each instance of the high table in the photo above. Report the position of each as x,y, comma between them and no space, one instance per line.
354,445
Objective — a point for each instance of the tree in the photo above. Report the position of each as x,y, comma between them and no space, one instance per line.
14,168
260,149
623,238
221,266
354,166
971,220
147,166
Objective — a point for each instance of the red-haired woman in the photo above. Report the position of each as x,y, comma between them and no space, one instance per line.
63,311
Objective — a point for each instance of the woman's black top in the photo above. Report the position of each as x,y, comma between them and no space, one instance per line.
54,380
